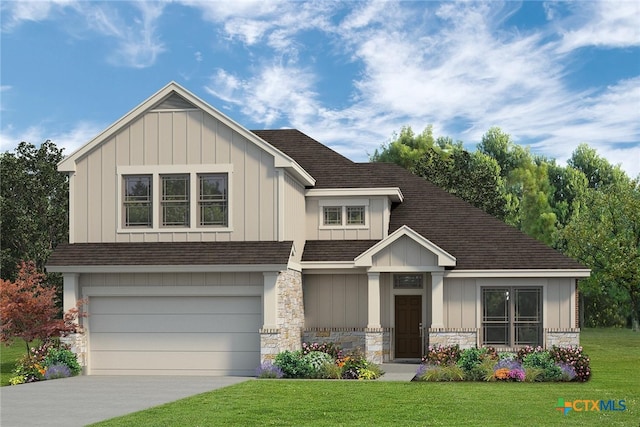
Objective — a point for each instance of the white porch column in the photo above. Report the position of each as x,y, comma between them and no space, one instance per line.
373,308
270,300
69,291
437,299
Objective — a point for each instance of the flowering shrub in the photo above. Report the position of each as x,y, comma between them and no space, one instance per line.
528,364
508,370
442,355
57,371
527,350
574,357
28,369
316,361
269,370
63,356
568,372
325,347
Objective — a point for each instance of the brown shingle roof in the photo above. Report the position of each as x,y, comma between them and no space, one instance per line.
477,240
171,253
335,250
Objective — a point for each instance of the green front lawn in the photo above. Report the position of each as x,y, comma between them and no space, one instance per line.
8,357
615,357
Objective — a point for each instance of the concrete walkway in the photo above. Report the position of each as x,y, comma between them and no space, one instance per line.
399,371
83,400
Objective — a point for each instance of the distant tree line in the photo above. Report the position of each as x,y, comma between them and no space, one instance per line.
589,209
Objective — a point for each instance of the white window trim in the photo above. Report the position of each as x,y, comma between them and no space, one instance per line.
156,171
343,203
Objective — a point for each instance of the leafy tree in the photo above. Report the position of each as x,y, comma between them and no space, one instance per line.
535,216
474,177
406,149
509,155
28,309
33,205
604,234
598,170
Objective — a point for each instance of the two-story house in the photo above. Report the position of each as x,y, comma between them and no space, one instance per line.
204,248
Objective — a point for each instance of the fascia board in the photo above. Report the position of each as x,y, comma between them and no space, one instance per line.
226,268
577,273
394,193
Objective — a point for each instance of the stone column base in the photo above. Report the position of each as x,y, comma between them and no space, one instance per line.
269,344
373,344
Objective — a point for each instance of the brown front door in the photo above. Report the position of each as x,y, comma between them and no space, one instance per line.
408,319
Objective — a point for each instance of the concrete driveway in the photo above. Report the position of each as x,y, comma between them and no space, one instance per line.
83,400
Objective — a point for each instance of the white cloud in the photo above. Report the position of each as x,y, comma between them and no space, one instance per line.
265,97
138,43
603,24
70,140
15,13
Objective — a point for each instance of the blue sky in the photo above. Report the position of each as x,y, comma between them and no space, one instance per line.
349,74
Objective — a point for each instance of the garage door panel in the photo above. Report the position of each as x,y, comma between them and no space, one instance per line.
244,341
168,335
142,361
174,305
175,323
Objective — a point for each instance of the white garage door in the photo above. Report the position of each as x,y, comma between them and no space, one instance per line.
174,335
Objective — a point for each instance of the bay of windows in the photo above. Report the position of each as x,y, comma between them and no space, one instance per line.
176,200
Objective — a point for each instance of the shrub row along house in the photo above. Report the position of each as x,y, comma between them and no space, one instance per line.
206,248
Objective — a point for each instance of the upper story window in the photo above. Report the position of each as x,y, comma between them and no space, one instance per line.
185,198
137,201
175,200
344,213
332,215
213,199
355,215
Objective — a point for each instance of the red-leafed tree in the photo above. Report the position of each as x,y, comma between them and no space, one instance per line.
28,309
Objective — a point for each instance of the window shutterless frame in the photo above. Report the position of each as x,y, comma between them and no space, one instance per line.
137,202
511,316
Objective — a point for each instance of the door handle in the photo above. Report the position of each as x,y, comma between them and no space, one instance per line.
420,328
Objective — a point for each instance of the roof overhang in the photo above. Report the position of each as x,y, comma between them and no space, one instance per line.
518,273
445,259
392,193
281,160
223,268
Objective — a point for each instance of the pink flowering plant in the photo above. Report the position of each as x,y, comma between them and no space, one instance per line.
575,357
442,355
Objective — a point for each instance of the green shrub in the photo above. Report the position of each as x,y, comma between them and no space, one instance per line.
62,356
471,360
330,371
316,359
293,365
533,374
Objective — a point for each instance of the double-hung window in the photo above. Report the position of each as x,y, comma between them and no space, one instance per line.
137,201
213,200
175,200
511,316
